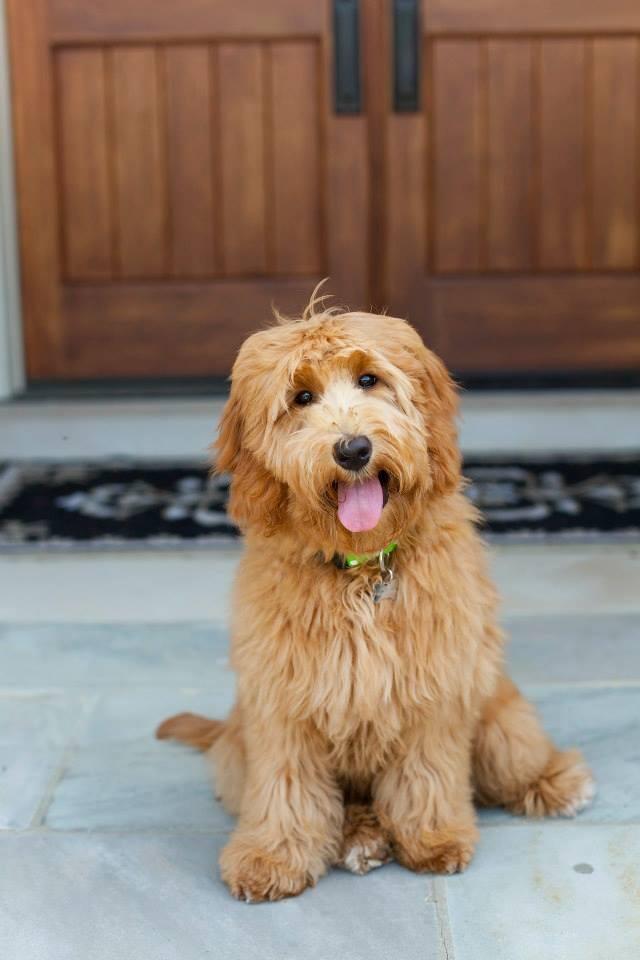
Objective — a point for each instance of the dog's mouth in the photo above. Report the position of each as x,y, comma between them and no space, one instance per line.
360,504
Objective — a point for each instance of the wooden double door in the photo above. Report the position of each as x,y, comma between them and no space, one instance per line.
470,164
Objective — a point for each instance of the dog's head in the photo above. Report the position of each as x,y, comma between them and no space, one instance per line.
340,428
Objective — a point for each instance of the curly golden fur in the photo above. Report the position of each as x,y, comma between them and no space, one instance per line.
361,730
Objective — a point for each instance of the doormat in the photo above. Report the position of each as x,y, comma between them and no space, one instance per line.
142,504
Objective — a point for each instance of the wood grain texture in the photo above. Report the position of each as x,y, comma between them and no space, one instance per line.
458,156
296,158
195,328
564,323
615,133
538,16
73,21
190,160
140,161
510,155
563,155
406,239
233,183
32,101
84,165
241,138
348,199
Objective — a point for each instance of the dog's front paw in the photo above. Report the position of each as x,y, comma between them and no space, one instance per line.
365,845
255,875
362,856
448,850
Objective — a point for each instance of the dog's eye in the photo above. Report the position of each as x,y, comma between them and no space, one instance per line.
304,398
367,380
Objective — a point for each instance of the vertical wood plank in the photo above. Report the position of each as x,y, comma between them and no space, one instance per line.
563,159
458,161
33,134
242,156
615,158
348,210
190,160
86,201
509,231
406,239
296,158
139,153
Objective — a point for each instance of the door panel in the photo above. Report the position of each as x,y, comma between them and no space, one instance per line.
510,245
139,182
84,165
615,161
458,194
91,21
296,216
542,17
123,330
188,76
190,170
191,157
563,155
241,78
522,250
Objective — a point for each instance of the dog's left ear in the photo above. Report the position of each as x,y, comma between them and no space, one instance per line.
439,408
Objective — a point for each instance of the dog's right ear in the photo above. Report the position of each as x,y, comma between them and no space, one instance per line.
228,447
256,497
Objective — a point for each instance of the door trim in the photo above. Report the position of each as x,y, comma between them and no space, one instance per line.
12,369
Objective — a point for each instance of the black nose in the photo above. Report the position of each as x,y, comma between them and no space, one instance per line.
352,453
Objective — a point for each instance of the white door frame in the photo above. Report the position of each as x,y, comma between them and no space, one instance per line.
12,372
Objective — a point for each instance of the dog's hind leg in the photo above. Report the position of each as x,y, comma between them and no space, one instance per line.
224,744
365,845
516,765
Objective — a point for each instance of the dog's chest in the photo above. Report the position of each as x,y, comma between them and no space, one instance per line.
367,679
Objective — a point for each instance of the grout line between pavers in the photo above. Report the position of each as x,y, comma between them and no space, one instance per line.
89,703
442,917
536,687
43,828
532,687
47,798
174,830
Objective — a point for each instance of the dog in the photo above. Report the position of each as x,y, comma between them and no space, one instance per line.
372,705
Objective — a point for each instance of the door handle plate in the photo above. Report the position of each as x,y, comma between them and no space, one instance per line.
346,56
406,57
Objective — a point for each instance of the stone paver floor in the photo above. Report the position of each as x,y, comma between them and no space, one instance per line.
110,839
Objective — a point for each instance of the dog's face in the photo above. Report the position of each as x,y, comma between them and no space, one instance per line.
339,428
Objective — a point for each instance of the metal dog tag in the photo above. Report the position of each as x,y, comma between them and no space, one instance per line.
385,590
386,587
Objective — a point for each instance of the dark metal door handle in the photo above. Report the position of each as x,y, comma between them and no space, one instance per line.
346,55
406,69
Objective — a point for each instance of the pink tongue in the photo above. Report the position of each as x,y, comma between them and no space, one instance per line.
360,505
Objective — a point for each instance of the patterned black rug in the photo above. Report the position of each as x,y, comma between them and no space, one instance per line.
144,504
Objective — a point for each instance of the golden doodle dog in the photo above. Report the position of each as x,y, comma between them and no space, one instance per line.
372,707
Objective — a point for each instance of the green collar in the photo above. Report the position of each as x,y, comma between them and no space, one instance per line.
350,561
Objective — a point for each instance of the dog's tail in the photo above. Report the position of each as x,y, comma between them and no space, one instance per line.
192,729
